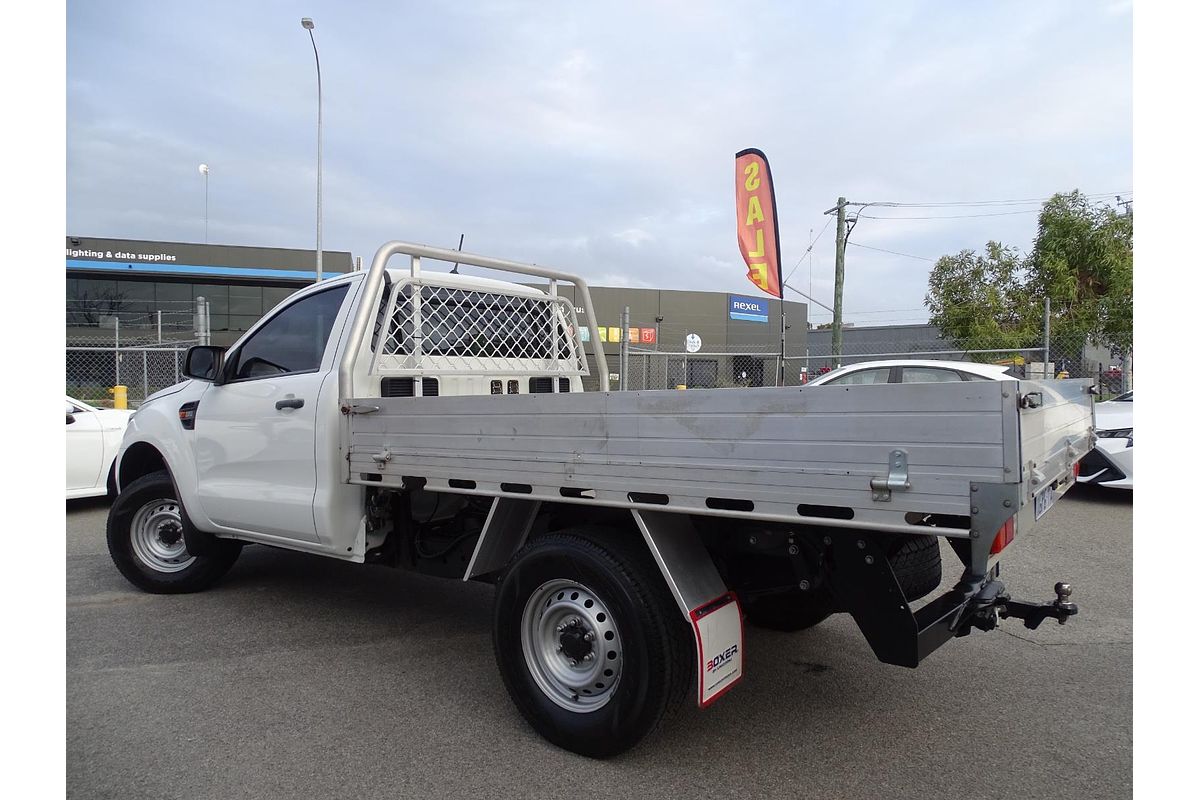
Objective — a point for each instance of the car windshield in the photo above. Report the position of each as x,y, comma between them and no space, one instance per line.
1124,398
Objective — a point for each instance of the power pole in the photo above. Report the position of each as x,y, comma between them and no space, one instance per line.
839,277
1127,205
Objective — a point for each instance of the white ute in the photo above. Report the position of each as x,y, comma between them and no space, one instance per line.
438,422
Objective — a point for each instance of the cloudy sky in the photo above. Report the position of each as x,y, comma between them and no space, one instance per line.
599,137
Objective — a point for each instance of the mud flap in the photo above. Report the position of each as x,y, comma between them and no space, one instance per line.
711,610
719,643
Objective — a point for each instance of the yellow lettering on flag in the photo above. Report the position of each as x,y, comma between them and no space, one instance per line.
759,275
751,173
759,247
754,212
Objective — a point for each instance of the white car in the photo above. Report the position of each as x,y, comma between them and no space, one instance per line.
911,371
93,438
1110,464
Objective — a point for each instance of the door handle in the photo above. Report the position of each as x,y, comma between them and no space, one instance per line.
291,402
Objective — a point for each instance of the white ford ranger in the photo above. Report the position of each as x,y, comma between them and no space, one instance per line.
437,422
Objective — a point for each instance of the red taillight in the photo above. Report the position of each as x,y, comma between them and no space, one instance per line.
1005,535
1075,469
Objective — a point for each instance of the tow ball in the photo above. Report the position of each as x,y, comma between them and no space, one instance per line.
995,605
1034,613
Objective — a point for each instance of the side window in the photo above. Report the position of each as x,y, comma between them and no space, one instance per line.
292,341
862,376
929,375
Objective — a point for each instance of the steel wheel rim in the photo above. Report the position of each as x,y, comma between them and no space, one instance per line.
156,533
555,625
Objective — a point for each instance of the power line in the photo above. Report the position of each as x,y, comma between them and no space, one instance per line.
1013,202
806,252
893,252
860,215
887,311
846,226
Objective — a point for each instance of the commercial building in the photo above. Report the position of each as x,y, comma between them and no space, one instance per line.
734,339
115,284
127,293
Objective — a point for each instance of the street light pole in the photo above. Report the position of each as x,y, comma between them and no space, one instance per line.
308,25
204,172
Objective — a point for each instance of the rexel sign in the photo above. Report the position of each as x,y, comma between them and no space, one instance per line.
748,309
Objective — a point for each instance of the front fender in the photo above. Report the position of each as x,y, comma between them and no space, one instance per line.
157,424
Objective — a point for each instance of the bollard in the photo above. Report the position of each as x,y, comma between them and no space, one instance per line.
120,396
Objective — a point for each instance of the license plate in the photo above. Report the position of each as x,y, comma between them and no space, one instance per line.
1042,501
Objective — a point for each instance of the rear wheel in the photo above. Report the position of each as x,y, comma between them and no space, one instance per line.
589,641
917,562
145,540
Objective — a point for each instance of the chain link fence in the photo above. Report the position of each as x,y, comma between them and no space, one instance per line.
93,371
124,343
1074,357
112,343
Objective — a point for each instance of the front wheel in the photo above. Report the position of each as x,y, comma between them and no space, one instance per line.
589,640
145,540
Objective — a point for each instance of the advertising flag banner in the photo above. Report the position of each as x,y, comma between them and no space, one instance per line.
757,221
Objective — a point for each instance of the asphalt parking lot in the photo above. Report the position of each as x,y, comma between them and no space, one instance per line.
301,677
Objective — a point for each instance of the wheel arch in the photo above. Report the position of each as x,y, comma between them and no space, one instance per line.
139,459
671,540
143,458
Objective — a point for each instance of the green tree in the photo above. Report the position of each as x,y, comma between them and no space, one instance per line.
1083,259
981,301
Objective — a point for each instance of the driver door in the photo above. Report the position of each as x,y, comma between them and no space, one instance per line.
256,431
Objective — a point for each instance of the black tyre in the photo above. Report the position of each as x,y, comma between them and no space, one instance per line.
145,540
789,611
589,640
917,562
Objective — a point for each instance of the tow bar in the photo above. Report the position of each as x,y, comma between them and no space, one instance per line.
866,586
993,604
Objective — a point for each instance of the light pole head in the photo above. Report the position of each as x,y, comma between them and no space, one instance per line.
204,169
307,23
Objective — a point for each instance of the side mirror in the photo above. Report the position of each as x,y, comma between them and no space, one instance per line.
204,362
70,413
70,419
